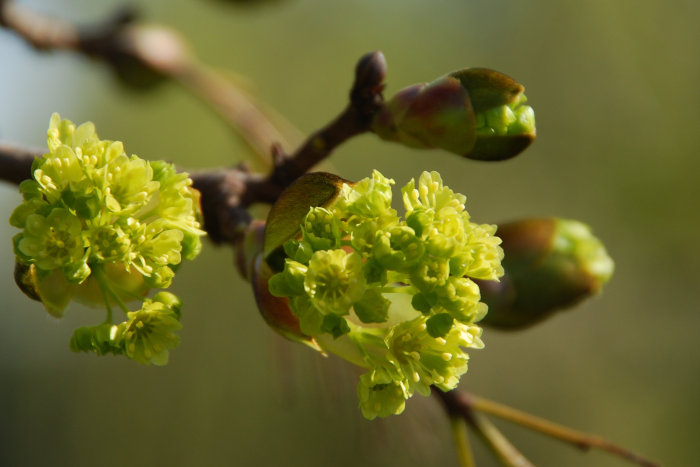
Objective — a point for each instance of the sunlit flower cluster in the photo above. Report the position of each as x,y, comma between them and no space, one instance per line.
102,227
394,295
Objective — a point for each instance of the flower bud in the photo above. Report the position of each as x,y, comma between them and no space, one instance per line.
550,265
100,339
476,113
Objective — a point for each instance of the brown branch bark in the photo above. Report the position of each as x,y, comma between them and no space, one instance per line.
228,193
365,100
16,162
144,55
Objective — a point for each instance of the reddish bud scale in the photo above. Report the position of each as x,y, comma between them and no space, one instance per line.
276,310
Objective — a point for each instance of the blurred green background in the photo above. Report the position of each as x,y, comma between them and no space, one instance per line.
614,86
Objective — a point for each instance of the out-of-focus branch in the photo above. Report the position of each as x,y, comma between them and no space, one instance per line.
41,32
499,444
495,440
132,50
16,162
228,193
461,438
141,55
236,107
467,405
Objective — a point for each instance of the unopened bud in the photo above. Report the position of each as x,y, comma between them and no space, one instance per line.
476,113
550,265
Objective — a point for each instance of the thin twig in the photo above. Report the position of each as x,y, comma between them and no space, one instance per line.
234,106
466,403
16,162
499,444
228,193
134,51
365,100
461,439
42,32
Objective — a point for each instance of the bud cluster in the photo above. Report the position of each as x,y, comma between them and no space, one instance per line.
394,295
103,228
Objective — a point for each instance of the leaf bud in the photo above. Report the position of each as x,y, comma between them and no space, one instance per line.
476,113
550,264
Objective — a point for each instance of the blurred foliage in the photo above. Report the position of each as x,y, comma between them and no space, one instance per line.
612,84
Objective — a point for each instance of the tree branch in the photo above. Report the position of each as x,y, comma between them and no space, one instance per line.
496,441
507,453
365,100
228,193
144,55
466,405
461,438
16,162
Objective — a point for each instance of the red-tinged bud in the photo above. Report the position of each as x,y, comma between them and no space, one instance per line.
275,310
52,289
550,265
249,247
476,113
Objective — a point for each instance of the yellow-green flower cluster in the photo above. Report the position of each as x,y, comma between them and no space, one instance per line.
102,227
394,295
